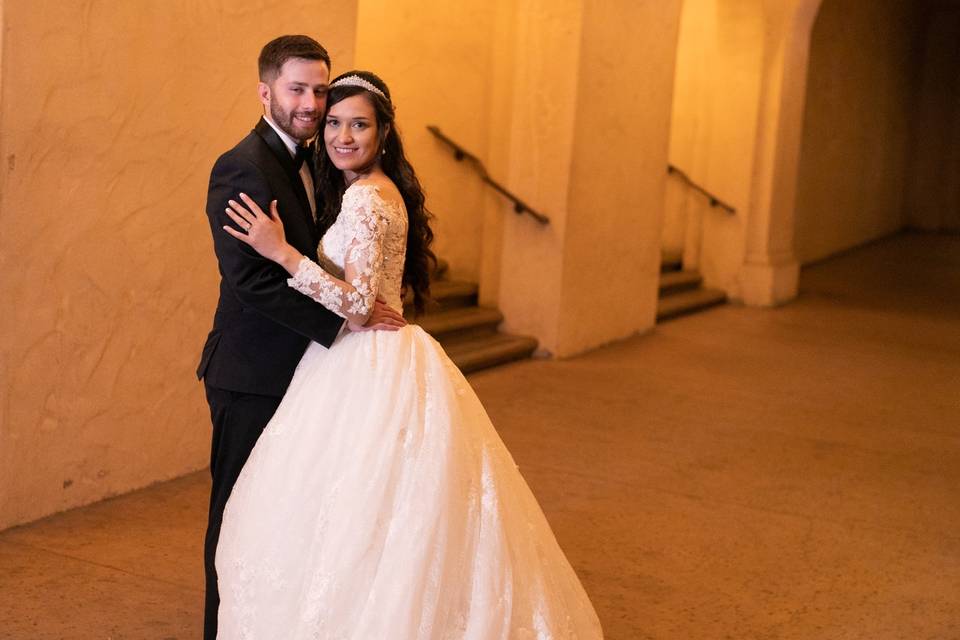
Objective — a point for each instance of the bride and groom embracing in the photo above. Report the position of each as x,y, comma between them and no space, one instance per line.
362,490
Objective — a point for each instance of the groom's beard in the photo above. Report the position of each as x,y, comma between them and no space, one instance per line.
287,121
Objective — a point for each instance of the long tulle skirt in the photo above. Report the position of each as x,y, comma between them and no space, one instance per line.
380,504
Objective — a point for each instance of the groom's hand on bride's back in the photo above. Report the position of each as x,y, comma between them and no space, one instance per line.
382,318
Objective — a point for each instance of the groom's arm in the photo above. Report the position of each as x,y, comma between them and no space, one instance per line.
257,282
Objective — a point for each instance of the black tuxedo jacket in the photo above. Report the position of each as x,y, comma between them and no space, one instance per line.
261,327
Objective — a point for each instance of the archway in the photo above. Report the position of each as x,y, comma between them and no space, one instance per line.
881,125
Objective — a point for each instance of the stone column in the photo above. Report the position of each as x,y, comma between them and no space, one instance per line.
588,127
770,272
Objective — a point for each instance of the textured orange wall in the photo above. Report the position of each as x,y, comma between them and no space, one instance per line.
112,115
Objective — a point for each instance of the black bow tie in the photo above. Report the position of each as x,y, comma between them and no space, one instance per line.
304,154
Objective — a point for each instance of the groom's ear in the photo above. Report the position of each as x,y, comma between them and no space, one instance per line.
263,90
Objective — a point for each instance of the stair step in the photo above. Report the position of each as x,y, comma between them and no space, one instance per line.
448,294
671,261
467,332
679,304
675,281
460,322
480,352
440,272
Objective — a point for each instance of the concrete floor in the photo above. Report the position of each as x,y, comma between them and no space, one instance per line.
742,473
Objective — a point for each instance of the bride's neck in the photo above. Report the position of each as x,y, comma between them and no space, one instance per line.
349,177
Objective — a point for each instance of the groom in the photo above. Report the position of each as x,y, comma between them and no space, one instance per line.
261,326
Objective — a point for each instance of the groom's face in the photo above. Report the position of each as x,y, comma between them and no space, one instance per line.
297,97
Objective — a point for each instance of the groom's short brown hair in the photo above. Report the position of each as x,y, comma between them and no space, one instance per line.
276,52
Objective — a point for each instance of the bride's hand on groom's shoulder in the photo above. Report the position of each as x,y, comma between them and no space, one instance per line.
382,318
262,231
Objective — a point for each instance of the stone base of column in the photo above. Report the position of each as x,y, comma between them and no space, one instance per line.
768,285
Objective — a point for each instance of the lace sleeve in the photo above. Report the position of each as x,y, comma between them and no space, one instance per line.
353,297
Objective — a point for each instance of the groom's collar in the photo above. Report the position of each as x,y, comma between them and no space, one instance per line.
288,142
277,146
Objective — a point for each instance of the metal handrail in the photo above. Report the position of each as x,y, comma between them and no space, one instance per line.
714,200
462,154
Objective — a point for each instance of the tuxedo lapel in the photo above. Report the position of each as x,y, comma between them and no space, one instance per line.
282,154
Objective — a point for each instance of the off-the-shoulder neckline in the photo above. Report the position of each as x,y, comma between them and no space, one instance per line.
358,185
375,190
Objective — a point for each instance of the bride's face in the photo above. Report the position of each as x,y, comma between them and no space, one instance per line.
350,135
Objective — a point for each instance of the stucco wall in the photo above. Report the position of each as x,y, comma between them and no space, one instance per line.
436,60
112,115
857,125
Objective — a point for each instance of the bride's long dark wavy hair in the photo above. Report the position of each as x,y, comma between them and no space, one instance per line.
331,184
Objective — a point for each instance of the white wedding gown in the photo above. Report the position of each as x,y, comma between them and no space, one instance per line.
380,503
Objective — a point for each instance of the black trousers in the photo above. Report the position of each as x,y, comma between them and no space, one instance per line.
238,419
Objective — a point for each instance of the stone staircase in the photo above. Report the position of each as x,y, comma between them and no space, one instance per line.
682,292
470,336
467,331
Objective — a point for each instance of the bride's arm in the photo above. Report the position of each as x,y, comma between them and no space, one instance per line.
354,297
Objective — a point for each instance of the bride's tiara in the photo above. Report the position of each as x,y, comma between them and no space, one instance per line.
357,81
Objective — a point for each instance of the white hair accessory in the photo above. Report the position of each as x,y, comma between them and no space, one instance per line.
357,81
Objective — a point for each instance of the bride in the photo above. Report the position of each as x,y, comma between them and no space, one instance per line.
380,503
